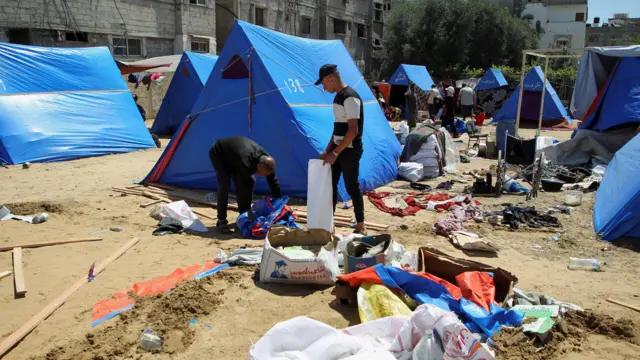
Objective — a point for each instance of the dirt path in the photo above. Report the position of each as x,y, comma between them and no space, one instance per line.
76,193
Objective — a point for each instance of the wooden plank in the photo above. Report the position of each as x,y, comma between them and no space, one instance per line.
4,274
150,203
9,342
48,243
18,272
623,304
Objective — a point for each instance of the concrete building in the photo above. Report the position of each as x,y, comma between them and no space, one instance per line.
358,23
560,23
620,30
133,29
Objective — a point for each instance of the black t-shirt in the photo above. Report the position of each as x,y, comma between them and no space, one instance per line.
348,105
241,156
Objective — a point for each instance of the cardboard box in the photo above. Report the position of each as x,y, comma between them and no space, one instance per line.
278,267
353,263
447,267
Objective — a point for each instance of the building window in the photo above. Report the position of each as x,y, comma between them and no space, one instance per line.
259,16
77,36
361,31
376,44
198,2
126,46
580,17
339,26
377,12
200,46
562,43
305,26
538,26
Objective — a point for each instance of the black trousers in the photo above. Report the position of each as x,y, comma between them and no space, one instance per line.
348,165
224,175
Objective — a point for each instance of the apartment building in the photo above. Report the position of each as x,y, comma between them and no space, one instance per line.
560,23
133,29
619,29
358,23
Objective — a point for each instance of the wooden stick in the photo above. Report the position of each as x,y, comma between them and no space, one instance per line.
623,304
18,272
4,274
25,329
48,243
347,219
150,203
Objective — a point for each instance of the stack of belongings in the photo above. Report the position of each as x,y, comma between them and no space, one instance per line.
425,145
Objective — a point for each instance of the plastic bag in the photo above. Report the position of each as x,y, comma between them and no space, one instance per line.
319,196
451,153
411,171
377,301
330,261
180,211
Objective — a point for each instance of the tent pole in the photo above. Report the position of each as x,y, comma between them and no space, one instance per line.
544,91
524,61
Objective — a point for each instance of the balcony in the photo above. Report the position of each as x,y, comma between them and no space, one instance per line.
566,2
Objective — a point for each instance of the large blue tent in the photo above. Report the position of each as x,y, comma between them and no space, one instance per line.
553,112
188,81
60,104
618,103
417,74
616,212
492,79
262,87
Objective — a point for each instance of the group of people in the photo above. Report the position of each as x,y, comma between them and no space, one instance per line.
238,159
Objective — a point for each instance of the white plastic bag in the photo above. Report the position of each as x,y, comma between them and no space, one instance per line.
451,153
180,211
411,171
330,261
404,128
319,196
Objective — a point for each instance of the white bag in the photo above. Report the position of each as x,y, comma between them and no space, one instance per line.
410,171
319,196
180,211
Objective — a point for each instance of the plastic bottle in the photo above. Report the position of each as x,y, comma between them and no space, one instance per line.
428,348
151,341
40,218
585,264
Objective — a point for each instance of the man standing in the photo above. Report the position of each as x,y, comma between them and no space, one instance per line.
450,110
238,158
431,98
467,100
143,113
345,147
411,99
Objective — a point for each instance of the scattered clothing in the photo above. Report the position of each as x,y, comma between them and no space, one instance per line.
241,256
134,79
377,198
515,216
447,185
264,214
459,215
167,226
520,297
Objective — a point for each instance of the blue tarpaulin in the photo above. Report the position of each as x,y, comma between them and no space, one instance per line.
262,87
533,85
619,102
188,81
417,74
492,79
616,212
61,104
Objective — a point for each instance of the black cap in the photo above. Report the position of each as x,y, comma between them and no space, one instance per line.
326,70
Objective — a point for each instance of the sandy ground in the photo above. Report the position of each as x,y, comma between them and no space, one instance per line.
80,202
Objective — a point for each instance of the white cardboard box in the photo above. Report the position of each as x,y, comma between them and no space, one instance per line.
277,267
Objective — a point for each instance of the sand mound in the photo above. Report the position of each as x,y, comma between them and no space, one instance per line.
567,335
33,208
167,314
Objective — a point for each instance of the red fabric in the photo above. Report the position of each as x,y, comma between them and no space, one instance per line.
166,157
376,199
480,118
478,287
354,279
595,102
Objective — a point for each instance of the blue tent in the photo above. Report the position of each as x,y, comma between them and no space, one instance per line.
262,87
618,103
417,74
492,79
188,81
553,112
616,211
60,104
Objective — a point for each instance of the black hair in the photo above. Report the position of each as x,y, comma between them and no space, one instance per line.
135,97
269,166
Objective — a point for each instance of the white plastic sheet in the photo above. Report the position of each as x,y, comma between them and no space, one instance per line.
180,211
319,196
302,338
451,154
411,171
